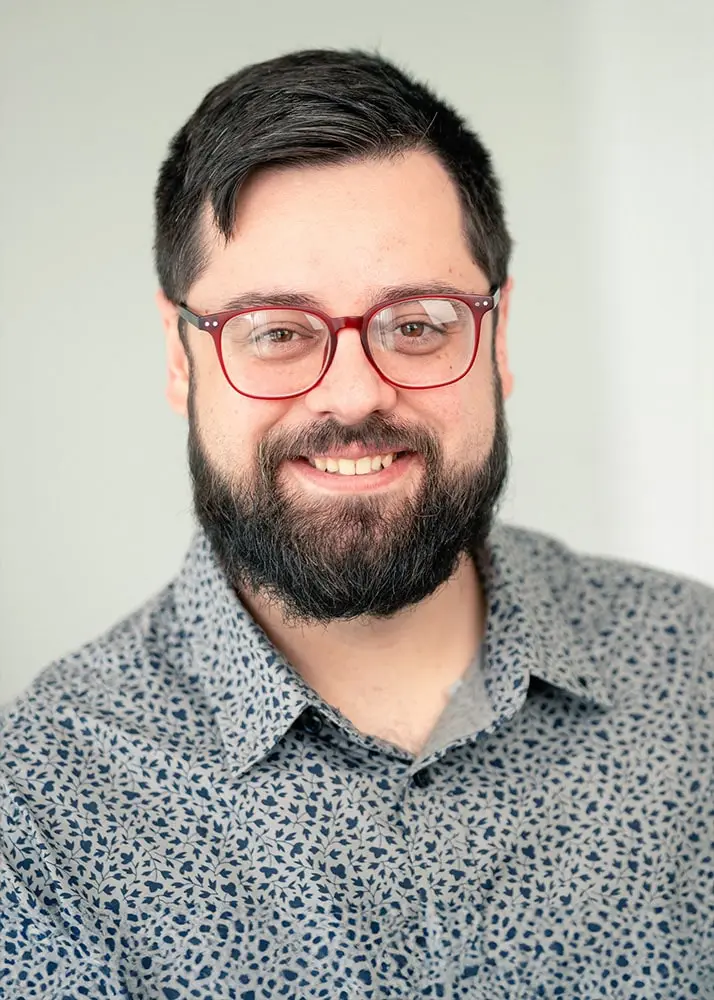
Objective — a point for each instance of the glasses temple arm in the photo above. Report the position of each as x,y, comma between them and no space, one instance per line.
188,315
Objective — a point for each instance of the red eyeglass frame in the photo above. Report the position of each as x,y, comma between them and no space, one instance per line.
213,323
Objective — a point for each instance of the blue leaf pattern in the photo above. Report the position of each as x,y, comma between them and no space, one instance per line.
182,817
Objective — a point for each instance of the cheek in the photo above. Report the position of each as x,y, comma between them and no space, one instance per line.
469,415
230,425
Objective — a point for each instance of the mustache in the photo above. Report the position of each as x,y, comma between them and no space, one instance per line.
376,432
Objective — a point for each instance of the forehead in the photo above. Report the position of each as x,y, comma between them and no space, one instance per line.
337,232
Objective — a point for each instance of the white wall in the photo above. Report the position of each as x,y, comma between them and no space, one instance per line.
599,116
648,103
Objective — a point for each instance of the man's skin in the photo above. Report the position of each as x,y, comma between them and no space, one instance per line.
346,235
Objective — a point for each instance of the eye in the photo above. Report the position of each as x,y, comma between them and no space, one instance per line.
279,336
414,328
284,341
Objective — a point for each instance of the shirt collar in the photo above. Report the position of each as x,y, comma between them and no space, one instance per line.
535,627
253,693
543,620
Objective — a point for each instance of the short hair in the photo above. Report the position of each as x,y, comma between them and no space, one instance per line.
313,107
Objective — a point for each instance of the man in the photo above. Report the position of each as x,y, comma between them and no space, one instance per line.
367,743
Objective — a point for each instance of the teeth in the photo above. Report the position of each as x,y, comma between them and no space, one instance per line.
348,467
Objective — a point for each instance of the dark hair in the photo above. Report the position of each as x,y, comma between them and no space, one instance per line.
311,107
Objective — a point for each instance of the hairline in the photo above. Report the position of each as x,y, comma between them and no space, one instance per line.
207,222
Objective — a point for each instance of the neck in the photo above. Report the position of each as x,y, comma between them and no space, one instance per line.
389,677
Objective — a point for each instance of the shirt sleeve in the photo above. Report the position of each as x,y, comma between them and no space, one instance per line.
45,949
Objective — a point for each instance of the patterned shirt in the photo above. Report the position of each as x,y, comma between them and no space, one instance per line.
183,817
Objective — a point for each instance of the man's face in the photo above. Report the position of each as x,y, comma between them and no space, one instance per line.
329,546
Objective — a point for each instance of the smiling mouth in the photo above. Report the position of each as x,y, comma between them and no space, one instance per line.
366,465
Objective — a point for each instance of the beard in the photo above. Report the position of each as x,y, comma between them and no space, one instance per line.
329,559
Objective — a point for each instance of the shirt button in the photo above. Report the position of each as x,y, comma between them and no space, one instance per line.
422,779
311,721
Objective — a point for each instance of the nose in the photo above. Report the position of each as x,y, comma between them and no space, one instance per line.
352,388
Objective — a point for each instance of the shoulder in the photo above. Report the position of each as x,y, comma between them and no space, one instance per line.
650,632
621,585
107,678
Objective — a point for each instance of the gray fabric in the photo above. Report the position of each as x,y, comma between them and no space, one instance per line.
183,817
467,711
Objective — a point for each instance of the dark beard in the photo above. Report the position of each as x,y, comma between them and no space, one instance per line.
323,560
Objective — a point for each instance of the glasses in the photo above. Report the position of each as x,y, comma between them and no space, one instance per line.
278,352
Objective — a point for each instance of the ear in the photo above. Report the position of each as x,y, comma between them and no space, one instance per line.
500,339
178,367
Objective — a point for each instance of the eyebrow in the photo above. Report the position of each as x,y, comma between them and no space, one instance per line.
301,300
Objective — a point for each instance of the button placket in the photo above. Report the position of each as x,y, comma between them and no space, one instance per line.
424,873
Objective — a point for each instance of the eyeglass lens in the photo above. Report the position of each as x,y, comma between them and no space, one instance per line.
416,343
